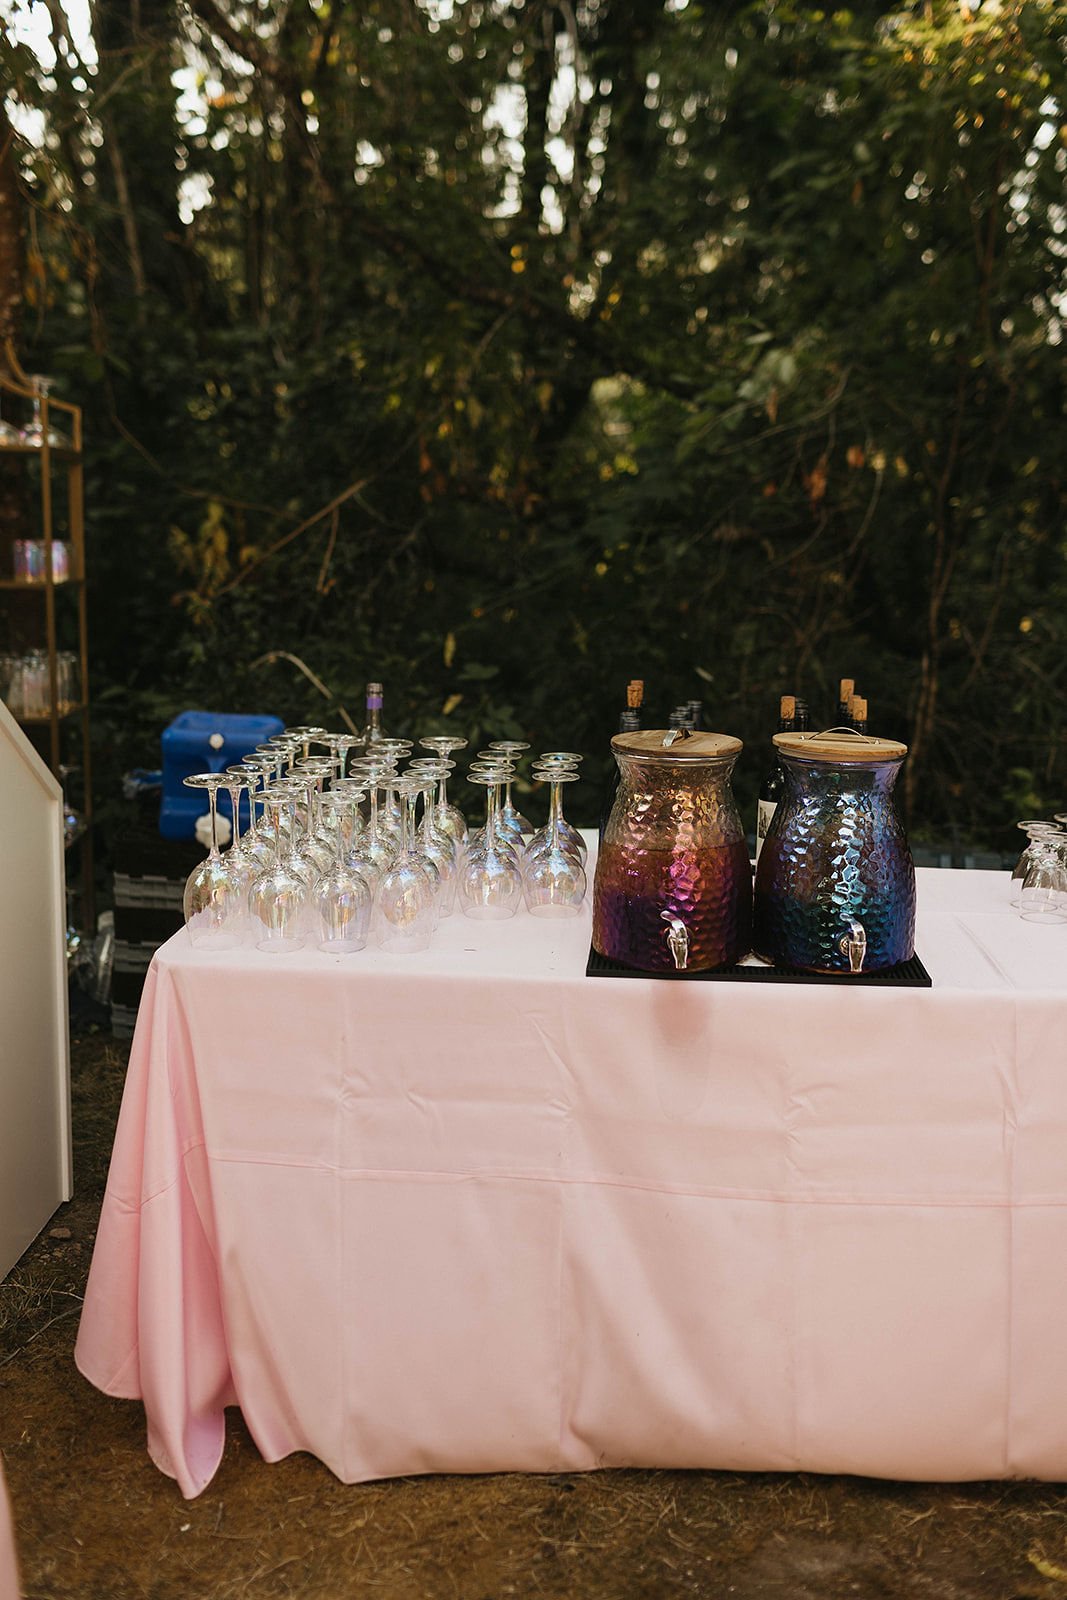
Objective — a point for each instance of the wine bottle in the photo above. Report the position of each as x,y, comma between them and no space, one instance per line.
846,690
629,722
373,730
696,715
858,714
773,785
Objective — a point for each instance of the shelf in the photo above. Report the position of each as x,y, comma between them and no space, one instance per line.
58,452
18,584
44,720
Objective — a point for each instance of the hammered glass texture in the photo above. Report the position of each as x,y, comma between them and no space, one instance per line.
835,851
673,843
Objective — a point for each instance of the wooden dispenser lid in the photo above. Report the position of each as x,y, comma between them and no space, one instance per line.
676,744
839,747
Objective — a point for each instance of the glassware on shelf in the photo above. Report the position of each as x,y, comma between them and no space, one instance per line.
9,435
34,432
29,563
405,918
1043,897
277,899
212,903
554,880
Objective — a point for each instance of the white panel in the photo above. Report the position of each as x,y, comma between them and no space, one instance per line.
35,1154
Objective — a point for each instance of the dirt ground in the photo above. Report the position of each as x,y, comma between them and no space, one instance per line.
95,1520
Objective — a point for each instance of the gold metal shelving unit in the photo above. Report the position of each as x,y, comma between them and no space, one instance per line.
58,465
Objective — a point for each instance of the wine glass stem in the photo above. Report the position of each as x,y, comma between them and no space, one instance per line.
235,807
555,810
213,809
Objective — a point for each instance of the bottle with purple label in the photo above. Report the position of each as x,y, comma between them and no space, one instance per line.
373,732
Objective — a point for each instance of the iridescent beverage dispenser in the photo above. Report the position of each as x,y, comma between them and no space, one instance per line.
835,883
672,890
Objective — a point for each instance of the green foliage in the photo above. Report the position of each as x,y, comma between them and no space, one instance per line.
738,370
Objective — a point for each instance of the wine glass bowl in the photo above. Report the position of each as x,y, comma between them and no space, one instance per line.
211,902
554,878
490,882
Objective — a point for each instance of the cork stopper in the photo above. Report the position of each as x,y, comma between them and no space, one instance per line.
857,709
846,691
635,693
787,707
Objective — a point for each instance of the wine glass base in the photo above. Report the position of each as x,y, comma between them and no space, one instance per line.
490,913
281,945
212,939
1043,914
553,909
341,947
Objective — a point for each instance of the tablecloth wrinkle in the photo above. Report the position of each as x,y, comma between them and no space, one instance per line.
473,1211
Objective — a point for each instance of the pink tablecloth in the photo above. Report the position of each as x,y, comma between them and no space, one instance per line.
473,1211
9,1578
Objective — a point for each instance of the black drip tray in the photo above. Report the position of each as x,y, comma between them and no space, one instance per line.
905,975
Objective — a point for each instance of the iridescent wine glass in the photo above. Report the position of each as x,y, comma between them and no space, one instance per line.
554,880
344,894
405,909
305,736
214,915
507,841
509,825
512,816
237,860
450,816
34,431
567,761
434,845
278,898
259,839
490,882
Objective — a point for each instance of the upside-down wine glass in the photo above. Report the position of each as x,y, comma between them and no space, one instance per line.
344,894
554,880
34,432
405,895
510,813
450,817
490,882
1044,892
213,913
278,896
1036,831
566,761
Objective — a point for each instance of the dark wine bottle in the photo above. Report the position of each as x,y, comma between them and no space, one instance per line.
773,785
858,714
696,715
629,722
846,690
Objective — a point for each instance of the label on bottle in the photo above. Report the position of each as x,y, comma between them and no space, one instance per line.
765,810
